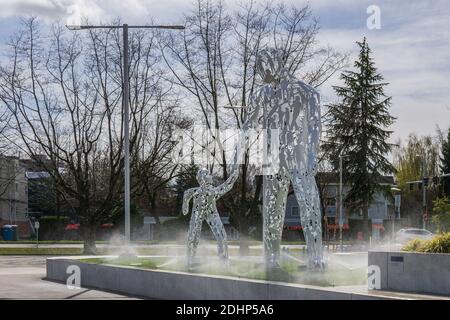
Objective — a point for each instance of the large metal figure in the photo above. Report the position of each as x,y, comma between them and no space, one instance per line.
291,108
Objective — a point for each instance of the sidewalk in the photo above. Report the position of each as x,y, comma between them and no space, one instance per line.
22,278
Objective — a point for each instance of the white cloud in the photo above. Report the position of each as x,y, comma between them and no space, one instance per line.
44,8
412,51
72,11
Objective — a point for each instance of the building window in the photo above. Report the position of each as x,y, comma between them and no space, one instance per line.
330,202
295,212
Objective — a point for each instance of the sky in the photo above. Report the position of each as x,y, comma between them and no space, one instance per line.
411,48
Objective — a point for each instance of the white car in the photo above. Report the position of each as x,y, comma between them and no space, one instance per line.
405,235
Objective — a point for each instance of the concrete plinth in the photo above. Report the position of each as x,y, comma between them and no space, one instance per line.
413,272
159,284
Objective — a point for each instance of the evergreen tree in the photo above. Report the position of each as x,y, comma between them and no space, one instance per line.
445,164
357,129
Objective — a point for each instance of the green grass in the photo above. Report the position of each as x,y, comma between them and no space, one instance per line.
41,242
142,263
69,251
41,251
48,242
80,242
289,272
230,242
145,249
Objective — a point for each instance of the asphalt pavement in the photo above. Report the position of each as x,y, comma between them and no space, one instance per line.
22,277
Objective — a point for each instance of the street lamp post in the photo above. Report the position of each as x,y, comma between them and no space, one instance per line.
424,189
396,210
125,105
341,216
424,192
126,134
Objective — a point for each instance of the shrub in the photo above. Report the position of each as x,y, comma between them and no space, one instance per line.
415,245
439,244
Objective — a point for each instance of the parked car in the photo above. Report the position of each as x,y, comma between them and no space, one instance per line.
405,235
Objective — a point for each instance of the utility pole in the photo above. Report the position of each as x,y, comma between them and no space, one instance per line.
424,192
396,214
125,105
126,134
341,213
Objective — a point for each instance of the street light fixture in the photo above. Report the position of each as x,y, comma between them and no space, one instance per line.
72,27
126,111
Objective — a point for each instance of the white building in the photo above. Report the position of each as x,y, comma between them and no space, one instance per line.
14,195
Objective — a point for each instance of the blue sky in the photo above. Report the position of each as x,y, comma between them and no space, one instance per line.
412,48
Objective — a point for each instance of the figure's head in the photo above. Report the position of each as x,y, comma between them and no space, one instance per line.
204,178
269,65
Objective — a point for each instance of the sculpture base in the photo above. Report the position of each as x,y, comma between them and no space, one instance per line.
160,284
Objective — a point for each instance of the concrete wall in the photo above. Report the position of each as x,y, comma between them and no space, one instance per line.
179,285
413,272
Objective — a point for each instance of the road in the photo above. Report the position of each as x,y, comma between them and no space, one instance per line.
21,277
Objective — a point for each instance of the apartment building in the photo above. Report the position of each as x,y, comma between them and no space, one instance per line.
14,195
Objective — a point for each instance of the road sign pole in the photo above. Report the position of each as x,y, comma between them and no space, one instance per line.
126,124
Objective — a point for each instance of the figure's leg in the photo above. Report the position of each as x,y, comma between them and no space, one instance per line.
274,204
307,195
195,229
219,233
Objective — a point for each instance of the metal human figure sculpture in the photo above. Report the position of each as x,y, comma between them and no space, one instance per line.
292,108
204,208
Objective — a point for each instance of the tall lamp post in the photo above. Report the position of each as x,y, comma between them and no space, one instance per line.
396,214
424,189
125,105
341,216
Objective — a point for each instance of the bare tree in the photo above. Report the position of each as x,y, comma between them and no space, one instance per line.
408,161
4,123
65,101
7,176
153,162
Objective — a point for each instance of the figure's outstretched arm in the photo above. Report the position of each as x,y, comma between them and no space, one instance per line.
252,119
188,194
228,184
314,131
315,124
